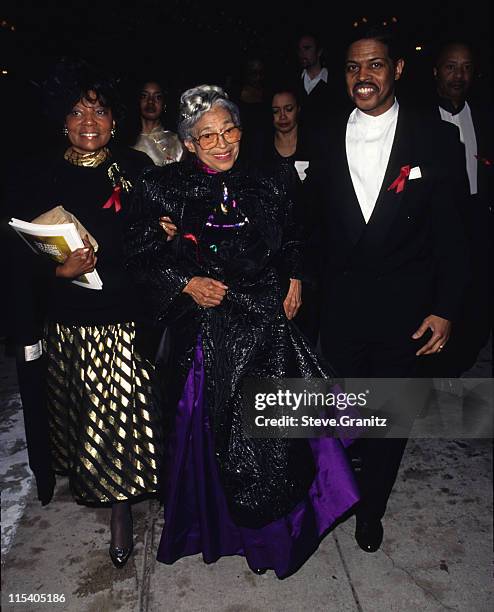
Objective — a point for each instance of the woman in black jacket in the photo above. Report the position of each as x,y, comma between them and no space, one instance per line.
104,425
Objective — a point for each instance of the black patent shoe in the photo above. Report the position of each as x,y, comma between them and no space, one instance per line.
369,534
260,571
121,525
120,556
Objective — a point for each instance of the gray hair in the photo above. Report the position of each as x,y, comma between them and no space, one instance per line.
197,101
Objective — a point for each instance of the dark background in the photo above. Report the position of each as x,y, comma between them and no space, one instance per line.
187,42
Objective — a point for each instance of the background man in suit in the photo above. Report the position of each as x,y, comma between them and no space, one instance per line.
394,252
454,74
320,93
314,91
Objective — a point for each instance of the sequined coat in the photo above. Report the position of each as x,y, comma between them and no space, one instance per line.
248,335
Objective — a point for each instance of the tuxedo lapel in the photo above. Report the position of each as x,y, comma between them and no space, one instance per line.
389,200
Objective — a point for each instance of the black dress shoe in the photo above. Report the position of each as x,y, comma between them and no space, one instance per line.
260,570
369,534
120,556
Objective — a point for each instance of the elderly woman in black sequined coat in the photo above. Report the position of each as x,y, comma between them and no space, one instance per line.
218,285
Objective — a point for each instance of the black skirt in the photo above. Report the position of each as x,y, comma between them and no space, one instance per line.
105,422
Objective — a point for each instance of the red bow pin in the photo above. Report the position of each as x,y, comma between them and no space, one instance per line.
484,160
193,239
114,199
399,183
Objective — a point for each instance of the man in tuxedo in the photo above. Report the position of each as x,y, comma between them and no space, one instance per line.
394,258
454,74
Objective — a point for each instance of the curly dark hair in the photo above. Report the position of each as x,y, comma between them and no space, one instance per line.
284,84
74,79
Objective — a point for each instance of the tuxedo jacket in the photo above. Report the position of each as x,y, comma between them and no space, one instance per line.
381,279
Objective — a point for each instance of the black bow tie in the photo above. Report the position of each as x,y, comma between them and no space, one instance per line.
447,105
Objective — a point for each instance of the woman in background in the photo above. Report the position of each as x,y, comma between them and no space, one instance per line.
163,146
286,143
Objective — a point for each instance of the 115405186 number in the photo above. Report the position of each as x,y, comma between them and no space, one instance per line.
36,597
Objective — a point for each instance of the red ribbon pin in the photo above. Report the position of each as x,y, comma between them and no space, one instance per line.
193,239
399,183
484,160
114,199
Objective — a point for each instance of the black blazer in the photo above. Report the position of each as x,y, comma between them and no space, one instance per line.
409,260
317,101
323,102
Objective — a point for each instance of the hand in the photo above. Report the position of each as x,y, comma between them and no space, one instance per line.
206,292
169,227
79,262
293,299
441,330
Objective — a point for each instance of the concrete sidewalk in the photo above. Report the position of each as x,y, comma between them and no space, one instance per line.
437,551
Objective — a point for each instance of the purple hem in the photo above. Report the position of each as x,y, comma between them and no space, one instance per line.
197,518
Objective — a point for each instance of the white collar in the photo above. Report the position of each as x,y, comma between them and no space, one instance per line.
379,122
320,76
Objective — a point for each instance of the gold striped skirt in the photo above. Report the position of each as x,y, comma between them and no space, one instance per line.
105,420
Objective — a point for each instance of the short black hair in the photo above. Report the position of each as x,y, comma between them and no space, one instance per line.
284,85
382,35
442,45
72,80
151,79
311,34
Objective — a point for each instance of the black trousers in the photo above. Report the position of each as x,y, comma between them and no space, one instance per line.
376,460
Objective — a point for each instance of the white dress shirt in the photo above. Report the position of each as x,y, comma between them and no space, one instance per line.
368,146
463,120
309,83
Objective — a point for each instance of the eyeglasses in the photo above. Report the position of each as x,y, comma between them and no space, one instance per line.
210,140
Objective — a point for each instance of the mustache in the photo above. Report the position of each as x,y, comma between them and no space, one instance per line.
364,84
